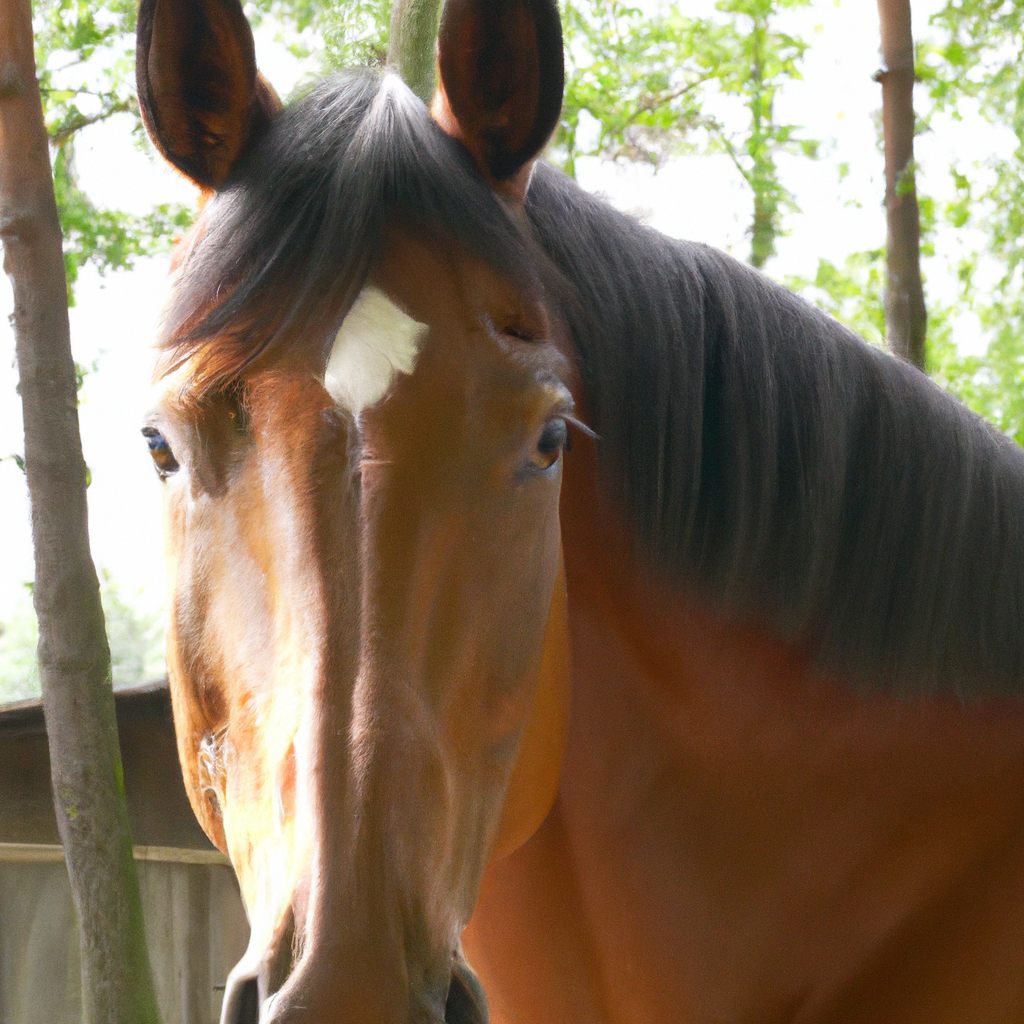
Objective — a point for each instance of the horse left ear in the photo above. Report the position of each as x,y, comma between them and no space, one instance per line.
202,99
500,81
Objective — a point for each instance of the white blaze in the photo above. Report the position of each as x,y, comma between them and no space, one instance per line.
375,341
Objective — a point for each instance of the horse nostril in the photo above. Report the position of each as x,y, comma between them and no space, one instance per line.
466,1003
241,1003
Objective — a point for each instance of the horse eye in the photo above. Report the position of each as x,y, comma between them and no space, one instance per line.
163,457
553,441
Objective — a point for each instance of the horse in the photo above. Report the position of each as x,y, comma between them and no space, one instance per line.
568,623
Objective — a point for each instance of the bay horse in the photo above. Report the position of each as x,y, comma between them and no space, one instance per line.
714,718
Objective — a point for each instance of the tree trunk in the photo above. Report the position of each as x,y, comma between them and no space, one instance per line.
765,226
906,320
412,44
74,661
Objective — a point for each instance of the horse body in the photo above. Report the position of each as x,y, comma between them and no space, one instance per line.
718,718
739,837
744,831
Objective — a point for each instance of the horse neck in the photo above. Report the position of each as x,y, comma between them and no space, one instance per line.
782,815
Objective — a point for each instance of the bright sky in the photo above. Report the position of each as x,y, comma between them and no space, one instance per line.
696,198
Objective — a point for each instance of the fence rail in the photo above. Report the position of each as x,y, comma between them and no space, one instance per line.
45,853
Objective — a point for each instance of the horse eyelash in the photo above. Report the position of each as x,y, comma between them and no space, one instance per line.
581,427
520,334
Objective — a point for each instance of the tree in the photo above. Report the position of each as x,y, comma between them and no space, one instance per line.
646,78
765,59
74,659
905,317
413,33
639,75
852,293
976,64
644,75
84,55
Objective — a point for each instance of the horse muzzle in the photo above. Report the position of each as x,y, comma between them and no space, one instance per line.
467,1002
246,1001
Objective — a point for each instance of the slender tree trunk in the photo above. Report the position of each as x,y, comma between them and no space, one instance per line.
765,227
906,320
762,230
74,661
412,44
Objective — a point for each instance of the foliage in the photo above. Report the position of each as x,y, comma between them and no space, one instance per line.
976,64
136,644
85,57
109,239
647,80
644,77
19,671
855,292
989,384
762,61
851,293
639,83
639,76
335,35
356,33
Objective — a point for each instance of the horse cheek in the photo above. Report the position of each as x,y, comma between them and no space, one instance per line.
533,783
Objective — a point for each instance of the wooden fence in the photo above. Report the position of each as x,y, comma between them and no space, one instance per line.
195,923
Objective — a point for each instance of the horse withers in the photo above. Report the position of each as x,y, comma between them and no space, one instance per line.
724,725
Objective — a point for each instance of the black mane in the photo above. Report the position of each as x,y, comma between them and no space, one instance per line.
765,454
774,459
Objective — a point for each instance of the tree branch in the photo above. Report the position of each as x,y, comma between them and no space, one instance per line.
76,124
730,149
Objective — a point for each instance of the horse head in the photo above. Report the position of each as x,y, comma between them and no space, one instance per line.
363,401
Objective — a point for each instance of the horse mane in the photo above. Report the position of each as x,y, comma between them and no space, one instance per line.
772,459
764,453
281,252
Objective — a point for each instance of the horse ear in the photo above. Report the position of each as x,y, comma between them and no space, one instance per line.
202,100
500,81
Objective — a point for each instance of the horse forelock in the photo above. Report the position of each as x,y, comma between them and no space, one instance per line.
794,475
287,246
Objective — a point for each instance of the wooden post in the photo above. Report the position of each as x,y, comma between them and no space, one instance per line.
194,901
412,44
906,320
74,661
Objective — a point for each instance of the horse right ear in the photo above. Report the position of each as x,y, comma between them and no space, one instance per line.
202,100
500,81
